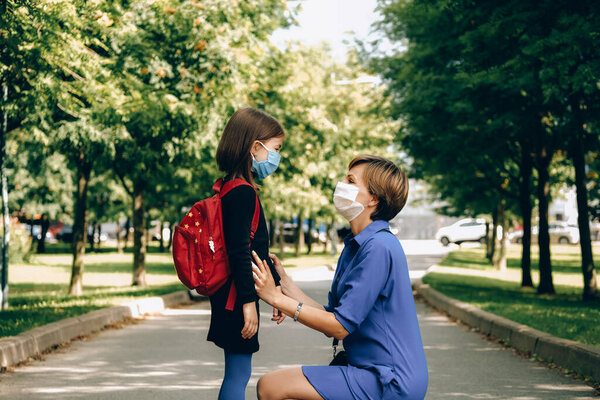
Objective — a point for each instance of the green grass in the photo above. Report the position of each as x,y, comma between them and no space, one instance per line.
36,304
65,248
563,314
565,258
315,259
38,289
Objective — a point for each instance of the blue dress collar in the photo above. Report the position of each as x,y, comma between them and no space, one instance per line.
366,233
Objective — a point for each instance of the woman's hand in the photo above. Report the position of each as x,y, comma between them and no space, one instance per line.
263,280
278,267
277,314
250,320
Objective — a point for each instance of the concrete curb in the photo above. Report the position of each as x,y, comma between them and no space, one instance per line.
574,356
16,349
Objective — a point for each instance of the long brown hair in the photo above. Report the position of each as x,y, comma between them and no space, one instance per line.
245,126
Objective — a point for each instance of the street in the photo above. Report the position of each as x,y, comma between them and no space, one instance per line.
167,357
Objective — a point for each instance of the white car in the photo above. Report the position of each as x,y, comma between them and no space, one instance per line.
465,230
560,232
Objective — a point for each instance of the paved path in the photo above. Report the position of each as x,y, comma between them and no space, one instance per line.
167,357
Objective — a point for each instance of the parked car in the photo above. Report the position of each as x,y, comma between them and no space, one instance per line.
36,232
465,230
289,233
154,231
65,233
560,232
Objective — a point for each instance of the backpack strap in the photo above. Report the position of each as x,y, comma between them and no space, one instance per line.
222,189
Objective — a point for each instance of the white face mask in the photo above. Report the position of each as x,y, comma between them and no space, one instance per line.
344,199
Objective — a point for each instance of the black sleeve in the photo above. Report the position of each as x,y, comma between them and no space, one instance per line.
238,210
276,277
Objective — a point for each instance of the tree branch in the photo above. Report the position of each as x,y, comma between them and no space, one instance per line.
122,179
71,113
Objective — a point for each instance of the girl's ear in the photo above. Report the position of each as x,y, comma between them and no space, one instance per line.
255,147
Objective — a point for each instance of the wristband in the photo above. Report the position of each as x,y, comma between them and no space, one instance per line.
297,311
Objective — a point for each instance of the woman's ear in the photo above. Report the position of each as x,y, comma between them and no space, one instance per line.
374,202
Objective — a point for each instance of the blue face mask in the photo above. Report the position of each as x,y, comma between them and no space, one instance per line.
268,166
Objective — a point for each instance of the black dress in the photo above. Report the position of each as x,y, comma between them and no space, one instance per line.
226,326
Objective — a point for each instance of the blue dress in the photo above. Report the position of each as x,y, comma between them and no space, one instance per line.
371,296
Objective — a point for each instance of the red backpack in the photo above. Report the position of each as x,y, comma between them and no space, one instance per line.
199,251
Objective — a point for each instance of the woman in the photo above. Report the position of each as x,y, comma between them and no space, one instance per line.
249,148
371,306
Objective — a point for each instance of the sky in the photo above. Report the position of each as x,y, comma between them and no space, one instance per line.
329,20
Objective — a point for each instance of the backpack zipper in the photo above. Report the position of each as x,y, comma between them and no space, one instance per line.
211,246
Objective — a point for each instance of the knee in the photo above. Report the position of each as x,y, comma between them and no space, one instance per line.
264,388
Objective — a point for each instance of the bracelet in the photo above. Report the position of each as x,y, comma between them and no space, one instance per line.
297,311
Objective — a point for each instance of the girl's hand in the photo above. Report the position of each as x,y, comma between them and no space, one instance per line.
263,280
250,320
278,315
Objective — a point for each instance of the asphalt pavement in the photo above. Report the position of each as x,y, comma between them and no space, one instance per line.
167,357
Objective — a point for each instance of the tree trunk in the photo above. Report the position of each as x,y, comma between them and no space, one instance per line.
525,205
281,240
99,230
162,243
127,229
139,238
171,225
299,235
119,244
147,227
92,238
590,289
44,225
272,233
327,239
309,236
492,248
80,225
334,237
487,238
543,188
499,259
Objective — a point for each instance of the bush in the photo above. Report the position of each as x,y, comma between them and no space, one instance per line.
19,249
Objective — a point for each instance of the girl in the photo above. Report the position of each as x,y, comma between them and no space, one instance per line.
249,148
371,305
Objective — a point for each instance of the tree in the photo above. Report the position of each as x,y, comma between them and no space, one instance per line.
331,113
515,92
178,64
41,51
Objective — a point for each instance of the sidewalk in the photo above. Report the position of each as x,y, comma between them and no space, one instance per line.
167,357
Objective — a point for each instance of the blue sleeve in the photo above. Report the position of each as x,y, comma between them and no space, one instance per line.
363,285
328,305
330,300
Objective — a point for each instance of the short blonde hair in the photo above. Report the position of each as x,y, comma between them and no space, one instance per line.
386,181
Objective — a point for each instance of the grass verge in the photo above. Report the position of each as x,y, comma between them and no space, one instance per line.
38,289
563,314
